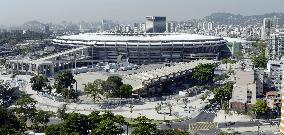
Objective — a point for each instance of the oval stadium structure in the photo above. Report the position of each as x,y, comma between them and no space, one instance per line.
148,48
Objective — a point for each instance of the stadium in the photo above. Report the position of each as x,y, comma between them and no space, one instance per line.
148,48
91,48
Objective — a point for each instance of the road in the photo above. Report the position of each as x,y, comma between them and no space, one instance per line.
184,125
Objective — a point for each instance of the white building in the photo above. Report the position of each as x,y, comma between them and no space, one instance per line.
155,24
274,72
276,46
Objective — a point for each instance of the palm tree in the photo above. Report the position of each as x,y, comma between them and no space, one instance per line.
177,99
170,106
158,108
185,101
131,110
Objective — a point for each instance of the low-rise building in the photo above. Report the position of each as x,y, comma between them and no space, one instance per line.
245,90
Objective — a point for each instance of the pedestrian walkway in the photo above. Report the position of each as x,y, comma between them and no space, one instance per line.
232,117
203,126
207,111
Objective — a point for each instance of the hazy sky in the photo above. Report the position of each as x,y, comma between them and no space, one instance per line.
19,11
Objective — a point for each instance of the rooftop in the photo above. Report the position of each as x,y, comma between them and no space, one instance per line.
137,37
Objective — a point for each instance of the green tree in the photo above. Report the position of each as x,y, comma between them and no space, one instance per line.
170,107
69,93
61,112
94,89
9,124
131,109
260,107
259,59
185,101
6,94
204,73
171,132
75,123
223,94
239,55
113,84
54,129
26,106
116,79
125,91
41,119
158,108
109,124
144,126
107,127
94,119
38,82
110,89
64,79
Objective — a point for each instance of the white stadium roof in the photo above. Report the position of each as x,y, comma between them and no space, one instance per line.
145,37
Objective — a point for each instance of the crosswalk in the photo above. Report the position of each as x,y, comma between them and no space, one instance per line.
203,126
207,111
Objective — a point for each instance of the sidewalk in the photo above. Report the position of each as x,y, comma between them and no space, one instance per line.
147,109
232,117
266,128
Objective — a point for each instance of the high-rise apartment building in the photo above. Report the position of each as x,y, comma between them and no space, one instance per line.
275,46
171,27
155,24
266,28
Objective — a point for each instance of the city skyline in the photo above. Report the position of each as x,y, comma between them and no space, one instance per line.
126,10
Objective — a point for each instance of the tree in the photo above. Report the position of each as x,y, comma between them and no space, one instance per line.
203,97
117,80
61,112
113,84
26,106
204,73
94,89
64,79
110,124
170,106
259,59
185,101
260,107
125,90
239,55
75,123
158,108
6,94
171,132
223,94
144,126
69,93
131,110
9,124
53,129
94,119
107,127
41,119
110,89
38,82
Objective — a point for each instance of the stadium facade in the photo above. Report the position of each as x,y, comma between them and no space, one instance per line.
91,48
148,48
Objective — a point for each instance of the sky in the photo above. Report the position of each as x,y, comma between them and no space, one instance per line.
14,12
